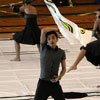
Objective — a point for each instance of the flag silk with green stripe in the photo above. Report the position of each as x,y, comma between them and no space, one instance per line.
68,29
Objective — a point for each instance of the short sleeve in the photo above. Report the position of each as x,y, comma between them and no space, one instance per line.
82,47
63,55
42,46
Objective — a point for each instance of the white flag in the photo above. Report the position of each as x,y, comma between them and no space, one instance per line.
68,29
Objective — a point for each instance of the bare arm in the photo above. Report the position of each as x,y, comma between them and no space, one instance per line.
95,25
79,58
62,73
43,36
22,9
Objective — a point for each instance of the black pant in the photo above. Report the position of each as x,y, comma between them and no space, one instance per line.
46,89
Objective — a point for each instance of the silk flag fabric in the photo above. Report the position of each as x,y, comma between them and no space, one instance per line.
68,29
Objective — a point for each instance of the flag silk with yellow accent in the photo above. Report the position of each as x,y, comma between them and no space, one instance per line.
68,29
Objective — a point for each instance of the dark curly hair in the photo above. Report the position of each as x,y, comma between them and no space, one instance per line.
49,33
27,1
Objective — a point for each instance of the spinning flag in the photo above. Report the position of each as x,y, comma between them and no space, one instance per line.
68,29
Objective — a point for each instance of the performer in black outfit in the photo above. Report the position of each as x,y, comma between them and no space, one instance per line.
31,33
91,52
92,49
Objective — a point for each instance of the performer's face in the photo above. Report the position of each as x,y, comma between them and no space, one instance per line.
52,40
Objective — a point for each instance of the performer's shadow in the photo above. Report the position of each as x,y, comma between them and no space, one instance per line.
75,95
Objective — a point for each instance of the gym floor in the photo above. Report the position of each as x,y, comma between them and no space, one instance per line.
18,79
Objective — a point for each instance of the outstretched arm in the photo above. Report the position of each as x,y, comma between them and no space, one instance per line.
79,58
